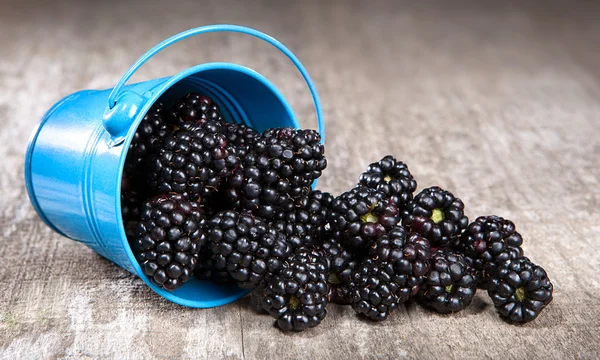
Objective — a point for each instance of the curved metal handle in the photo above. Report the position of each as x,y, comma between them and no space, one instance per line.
116,92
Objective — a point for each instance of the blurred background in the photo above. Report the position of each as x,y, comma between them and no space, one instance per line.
499,102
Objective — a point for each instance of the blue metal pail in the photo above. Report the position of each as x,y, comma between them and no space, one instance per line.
75,157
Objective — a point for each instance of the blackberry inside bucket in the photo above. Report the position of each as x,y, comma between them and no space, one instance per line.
186,164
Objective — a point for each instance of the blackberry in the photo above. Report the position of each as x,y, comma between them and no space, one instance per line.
168,239
246,247
296,154
298,295
373,289
280,165
490,240
520,290
305,223
409,257
194,108
358,217
192,161
150,132
450,284
437,215
392,178
342,264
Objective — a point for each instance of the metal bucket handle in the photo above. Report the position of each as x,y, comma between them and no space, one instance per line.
117,90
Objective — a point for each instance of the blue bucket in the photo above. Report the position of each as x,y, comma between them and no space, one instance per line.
75,156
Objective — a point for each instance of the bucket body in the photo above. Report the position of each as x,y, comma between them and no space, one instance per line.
76,155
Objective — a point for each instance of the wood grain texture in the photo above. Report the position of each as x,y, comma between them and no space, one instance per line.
498,102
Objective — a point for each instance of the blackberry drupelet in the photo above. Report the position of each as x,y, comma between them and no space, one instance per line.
409,257
342,264
520,290
373,289
437,215
488,241
280,165
194,108
392,178
168,239
150,132
298,295
192,161
246,247
360,216
450,284
305,223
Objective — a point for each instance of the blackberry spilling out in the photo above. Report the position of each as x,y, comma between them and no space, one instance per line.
374,289
305,223
520,290
246,247
360,216
221,202
450,284
168,239
409,257
298,295
279,167
437,215
392,178
489,241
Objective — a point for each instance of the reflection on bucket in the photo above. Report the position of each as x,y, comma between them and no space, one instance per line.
76,155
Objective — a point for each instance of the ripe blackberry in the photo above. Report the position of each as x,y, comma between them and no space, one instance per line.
392,178
295,154
373,289
150,132
298,295
437,215
194,108
192,161
342,264
280,165
488,241
358,217
450,284
304,224
245,246
168,239
409,257
520,290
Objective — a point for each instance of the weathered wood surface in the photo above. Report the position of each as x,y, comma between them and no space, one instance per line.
500,103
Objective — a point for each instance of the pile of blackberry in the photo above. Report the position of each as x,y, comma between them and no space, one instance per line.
208,199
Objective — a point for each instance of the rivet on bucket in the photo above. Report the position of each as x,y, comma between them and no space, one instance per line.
76,155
